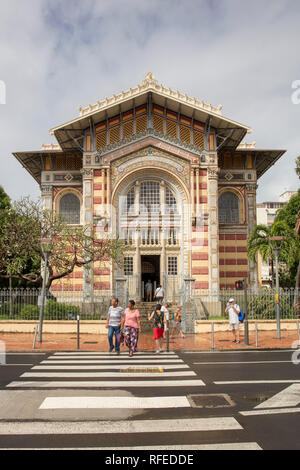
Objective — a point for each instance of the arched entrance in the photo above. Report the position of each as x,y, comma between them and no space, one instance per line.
152,208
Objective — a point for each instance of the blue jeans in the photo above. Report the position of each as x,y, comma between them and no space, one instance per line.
111,331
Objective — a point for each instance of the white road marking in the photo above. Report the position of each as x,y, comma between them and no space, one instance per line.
112,367
116,361
270,412
120,427
242,362
108,384
106,353
107,374
110,358
52,403
287,397
249,382
226,446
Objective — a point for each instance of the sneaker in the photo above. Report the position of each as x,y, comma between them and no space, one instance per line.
111,350
158,352
161,350
118,352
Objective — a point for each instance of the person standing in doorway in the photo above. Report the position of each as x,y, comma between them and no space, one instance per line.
159,294
113,324
132,324
149,291
233,311
159,326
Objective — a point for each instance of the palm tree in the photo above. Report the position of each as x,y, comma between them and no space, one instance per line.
259,242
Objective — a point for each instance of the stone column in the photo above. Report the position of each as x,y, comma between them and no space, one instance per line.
163,259
137,263
251,219
193,191
46,191
213,229
197,190
87,214
137,198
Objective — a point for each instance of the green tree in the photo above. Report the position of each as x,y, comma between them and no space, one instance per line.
298,166
289,214
259,242
21,253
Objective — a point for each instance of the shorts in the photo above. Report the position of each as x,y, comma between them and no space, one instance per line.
235,326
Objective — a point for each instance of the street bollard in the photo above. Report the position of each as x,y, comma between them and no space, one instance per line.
78,333
256,334
212,336
35,334
298,329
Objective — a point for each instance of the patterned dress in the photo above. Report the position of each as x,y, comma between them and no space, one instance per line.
158,325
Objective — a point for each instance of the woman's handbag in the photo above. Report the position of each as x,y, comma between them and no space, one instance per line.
120,337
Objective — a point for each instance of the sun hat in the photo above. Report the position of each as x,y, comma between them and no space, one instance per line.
231,299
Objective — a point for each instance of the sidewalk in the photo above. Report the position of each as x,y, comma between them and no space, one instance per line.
198,342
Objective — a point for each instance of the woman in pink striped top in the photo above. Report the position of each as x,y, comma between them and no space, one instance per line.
132,327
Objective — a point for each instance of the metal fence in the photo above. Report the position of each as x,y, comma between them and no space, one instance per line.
24,304
260,304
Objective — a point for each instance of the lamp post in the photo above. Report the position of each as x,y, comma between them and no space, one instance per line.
276,250
45,244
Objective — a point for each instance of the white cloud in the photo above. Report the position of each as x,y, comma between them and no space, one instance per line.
56,55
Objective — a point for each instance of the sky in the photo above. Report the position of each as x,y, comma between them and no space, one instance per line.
56,55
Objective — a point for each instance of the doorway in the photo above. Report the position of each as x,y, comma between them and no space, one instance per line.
150,270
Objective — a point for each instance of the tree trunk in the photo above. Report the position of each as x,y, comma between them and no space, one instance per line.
297,286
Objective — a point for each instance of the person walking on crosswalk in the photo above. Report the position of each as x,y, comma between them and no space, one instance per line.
159,326
113,323
132,327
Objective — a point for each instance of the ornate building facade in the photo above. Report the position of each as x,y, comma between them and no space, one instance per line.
166,173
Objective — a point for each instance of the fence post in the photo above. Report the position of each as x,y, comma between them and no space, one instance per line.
78,332
246,339
256,334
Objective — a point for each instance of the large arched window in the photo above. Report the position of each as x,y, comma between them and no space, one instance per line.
69,209
171,205
229,208
150,197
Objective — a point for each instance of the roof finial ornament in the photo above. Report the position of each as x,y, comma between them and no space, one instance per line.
150,79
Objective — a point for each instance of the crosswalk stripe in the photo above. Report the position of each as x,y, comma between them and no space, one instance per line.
107,384
222,446
242,382
116,361
107,374
110,358
270,412
110,367
51,403
94,353
120,427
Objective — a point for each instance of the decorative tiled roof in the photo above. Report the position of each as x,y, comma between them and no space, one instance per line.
150,84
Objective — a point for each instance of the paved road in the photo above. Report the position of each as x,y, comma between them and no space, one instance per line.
220,400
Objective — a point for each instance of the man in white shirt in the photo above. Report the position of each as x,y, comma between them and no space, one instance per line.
113,323
233,311
159,294
165,310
